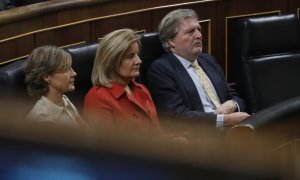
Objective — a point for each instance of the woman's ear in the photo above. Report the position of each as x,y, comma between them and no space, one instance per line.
46,78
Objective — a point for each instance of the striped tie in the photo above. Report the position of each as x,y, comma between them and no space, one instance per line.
207,87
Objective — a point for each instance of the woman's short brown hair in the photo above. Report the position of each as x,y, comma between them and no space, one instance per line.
42,61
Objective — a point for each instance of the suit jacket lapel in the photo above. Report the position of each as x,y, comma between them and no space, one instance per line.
207,68
187,83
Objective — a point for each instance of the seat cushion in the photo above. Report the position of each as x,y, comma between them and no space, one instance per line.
269,35
266,59
151,49
272,79
12,79
82,62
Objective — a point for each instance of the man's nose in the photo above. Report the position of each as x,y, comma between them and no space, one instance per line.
198,33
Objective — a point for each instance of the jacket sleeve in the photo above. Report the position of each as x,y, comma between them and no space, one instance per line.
228,92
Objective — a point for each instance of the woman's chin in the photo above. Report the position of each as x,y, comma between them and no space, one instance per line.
71,88
137,74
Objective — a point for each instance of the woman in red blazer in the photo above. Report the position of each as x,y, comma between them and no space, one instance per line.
116,100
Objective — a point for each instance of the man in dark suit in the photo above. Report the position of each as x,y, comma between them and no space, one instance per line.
178,90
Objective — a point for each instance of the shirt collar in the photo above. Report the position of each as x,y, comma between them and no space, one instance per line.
65,102
186,63
117,90
53,105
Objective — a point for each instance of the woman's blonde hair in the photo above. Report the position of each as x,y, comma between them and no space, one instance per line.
111,50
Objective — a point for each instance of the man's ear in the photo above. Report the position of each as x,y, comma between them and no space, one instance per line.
171,43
